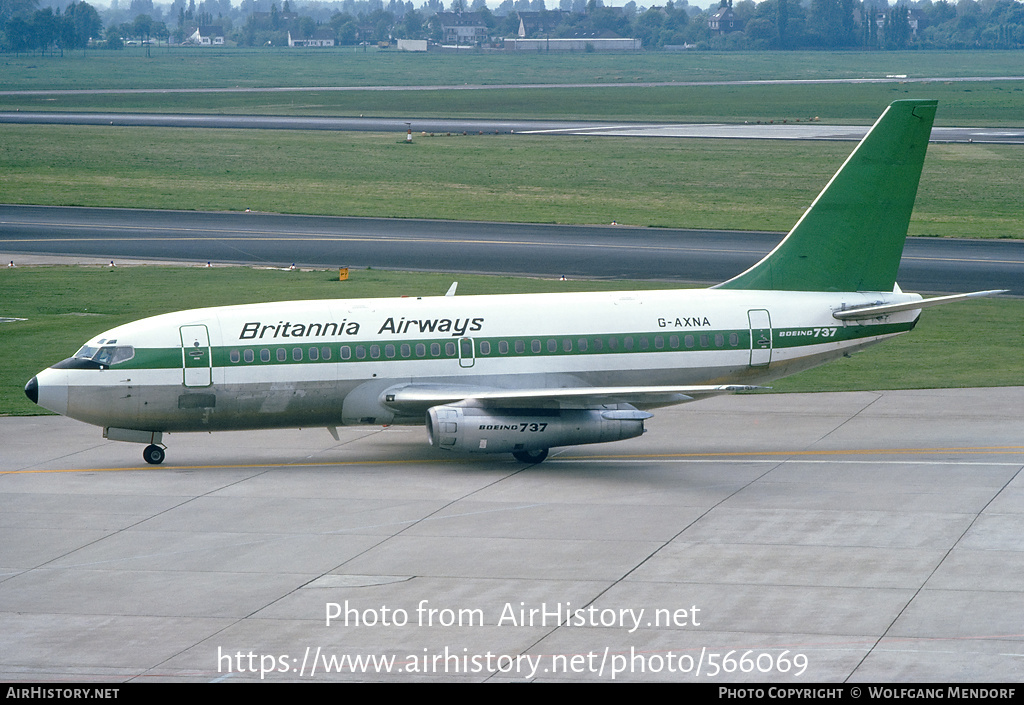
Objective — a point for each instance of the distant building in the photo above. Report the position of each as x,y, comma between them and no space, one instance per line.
724,21
461,27
581,45
207,35
412,45
913,19
322,37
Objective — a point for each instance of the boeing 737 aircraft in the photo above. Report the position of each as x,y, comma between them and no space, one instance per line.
522,373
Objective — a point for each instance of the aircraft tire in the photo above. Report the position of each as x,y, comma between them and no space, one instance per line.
154,454
530,456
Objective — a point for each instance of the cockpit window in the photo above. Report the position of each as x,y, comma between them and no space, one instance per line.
106,355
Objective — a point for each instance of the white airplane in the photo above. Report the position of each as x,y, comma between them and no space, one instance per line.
522,373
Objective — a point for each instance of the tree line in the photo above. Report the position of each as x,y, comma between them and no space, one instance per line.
49,30
770,24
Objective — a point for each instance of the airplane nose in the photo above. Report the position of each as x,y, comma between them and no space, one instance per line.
32,390
49,389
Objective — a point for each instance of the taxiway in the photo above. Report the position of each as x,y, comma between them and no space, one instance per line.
875,536
595,251
768,130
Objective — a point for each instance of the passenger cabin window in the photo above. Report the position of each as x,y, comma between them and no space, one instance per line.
106,354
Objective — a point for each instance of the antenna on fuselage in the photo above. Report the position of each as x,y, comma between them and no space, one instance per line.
451,289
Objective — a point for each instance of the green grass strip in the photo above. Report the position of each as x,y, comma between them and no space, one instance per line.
183,67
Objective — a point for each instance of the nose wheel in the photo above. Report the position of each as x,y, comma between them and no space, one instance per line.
154,454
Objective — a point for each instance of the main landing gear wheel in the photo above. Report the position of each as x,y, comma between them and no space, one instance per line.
154,454
530,456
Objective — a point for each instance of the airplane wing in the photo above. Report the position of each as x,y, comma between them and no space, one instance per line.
879,310
413,398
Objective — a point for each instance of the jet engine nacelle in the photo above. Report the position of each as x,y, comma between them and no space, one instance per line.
480,430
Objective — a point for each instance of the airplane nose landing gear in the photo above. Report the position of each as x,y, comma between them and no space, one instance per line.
155,451
154,454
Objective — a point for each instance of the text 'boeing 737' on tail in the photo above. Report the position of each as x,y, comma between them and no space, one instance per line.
522,374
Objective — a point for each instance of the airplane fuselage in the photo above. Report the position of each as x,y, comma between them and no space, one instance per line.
332,362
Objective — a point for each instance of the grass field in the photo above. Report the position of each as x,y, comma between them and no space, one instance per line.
216,68
987,103
976,343
966,191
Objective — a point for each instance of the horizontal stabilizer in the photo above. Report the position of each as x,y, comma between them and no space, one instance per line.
878,310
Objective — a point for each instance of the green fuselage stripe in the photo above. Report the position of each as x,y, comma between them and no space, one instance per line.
335,351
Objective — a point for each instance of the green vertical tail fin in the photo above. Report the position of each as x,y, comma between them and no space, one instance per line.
851,238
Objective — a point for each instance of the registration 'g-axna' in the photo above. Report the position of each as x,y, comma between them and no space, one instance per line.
522,373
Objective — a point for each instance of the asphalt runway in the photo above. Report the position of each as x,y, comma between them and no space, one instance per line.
788,131
856,537
703,257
